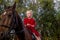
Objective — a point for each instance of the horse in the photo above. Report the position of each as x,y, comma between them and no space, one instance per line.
11,25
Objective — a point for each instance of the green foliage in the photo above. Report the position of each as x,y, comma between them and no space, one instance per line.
50,23
1,1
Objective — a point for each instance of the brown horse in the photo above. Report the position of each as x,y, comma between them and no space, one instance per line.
11,26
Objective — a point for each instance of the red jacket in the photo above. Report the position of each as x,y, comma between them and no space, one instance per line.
31,21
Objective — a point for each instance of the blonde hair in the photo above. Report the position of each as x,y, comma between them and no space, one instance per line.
28,11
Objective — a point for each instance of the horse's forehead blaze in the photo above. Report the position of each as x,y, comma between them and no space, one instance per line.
4,13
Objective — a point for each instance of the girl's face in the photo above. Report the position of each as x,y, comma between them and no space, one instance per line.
29,14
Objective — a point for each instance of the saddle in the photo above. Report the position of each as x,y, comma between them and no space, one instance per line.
33,36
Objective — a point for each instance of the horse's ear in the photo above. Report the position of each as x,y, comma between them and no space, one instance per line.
14,6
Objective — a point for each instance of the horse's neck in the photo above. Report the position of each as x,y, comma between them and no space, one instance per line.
25,35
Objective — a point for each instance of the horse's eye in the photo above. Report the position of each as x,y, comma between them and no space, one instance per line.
9,15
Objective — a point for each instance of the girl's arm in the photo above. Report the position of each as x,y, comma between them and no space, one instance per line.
33,23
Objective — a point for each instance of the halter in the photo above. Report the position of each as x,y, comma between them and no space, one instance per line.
11,28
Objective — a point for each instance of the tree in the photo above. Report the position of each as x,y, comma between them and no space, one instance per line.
49,20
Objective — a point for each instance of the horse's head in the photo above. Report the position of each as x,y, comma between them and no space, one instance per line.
10,19
8,13
7,19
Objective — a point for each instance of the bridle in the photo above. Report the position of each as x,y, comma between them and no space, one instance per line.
11,28
4,26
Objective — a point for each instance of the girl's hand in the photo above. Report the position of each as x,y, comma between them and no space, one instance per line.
32,25
28,24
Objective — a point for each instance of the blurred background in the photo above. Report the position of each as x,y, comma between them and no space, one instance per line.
45,12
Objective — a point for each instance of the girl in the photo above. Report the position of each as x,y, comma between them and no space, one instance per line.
30,24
